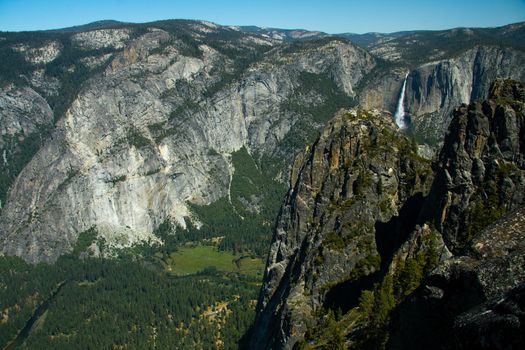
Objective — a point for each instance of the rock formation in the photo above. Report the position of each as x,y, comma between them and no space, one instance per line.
352,200
472,301
475,299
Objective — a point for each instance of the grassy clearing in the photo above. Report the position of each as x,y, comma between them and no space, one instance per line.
192,259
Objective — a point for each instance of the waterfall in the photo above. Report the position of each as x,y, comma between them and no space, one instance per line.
400,110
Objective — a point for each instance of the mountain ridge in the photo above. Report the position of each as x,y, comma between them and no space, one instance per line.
365,40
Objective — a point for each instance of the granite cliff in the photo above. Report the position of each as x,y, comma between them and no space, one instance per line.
155,130
476,203
352,198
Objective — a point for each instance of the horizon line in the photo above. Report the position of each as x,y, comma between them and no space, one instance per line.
117,22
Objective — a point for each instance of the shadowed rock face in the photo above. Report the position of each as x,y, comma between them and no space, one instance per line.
475,301
475,203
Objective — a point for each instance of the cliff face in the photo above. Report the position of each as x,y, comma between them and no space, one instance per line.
25,120
22,112
363,246
477,296
435,89
479,173
156,129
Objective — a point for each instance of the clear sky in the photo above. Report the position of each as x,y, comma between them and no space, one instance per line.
332,16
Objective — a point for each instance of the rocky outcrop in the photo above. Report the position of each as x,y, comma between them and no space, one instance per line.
25,120
43,54
102,38
476,298
22,112
358,233
352,195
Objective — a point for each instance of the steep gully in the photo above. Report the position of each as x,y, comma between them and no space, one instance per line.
37,314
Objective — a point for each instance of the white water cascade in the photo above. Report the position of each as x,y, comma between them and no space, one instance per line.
399,116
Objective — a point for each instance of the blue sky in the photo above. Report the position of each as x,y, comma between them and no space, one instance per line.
332,16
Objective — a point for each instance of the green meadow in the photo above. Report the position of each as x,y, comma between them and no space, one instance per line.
191,259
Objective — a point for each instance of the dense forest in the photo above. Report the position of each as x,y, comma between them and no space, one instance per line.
129,302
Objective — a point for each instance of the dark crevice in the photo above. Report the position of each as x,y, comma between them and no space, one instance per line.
389,237
427,322
522,140
39,311
392,234
345,296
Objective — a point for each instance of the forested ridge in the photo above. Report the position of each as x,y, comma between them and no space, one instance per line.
126,303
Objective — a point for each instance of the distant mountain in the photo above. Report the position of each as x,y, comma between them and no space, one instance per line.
104,24
367,39
411,46
419,46
287,35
